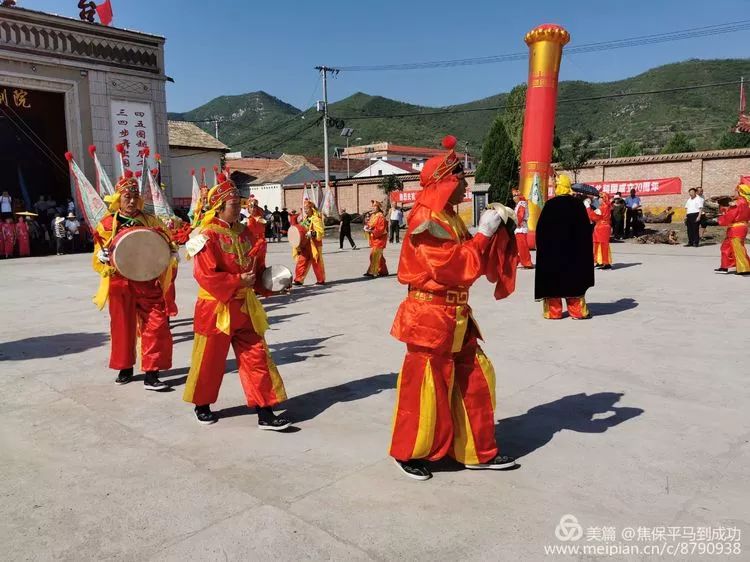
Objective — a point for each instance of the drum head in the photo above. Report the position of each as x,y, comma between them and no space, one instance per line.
276,278
140,254
296,235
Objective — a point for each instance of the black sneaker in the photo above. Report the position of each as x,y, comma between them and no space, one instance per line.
415,469
742,273
125,376
320,283
368,275
297,283
204,415
722,269
151,382
500,462
608,266
598,265
269,421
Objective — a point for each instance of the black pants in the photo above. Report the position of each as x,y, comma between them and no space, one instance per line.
348,235
631,222
693,223
394,230
60,245
618,227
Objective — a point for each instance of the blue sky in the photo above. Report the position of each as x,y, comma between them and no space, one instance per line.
218,47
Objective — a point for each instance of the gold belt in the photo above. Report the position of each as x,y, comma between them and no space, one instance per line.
251,306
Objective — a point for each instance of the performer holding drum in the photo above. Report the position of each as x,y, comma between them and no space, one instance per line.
132,254
376,229
307,245
228,313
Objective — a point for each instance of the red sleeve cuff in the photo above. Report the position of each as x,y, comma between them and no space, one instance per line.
481,242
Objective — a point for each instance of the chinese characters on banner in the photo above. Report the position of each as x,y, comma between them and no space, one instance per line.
411,196
15,98
133,127
643,188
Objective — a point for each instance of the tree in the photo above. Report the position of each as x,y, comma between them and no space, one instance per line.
515,106
574,156
389,184
499,163
734,140
627,148
678,143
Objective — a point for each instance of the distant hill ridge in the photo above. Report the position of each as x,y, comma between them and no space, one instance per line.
702,114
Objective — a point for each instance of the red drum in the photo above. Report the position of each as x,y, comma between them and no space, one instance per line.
140,253
297,236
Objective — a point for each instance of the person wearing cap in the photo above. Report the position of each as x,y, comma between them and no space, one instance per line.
228,312
564,257
377,235
522,229
601,217
446,389
735,219
311,255
134,306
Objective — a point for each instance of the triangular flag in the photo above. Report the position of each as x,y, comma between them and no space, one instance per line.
88,199
154,201
328,208
104,11
102,179
196,194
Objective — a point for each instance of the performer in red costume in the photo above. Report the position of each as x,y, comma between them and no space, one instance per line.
134,306
312,254
446,388
522,229
564,260
257,225
8,237
377,230
602,219
228,313
22,235
735,218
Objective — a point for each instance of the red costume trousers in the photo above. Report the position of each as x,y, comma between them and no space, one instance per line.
733,252
171,296
553,308
524,255
305,260
445,405
378,266
138,307
602,253
259,376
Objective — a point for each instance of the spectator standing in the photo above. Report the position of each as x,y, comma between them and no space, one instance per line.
269,222
6,205
276,224
36,236
9,237
345,230
632,207
23,238
693,209
618,216
284,220
71,231
58,228
71,206
397,217
40,207
704,207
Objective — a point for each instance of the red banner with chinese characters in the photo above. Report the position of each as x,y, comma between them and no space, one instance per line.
410,196
643,188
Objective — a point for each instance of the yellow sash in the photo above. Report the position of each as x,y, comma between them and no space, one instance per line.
251,307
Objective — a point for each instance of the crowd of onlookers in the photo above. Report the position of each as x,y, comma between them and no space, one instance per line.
49,227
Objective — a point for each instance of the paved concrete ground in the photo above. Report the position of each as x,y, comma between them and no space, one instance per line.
635,418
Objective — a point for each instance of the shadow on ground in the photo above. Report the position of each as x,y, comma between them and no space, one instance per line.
521,435
42,347
625,265
606,308
310,405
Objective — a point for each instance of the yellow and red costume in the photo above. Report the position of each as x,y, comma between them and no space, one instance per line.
135,307
311,255
378,239
446,387
602,219
257,225
733,252
226,312
522,230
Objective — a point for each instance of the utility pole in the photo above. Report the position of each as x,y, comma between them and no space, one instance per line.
216,129
466,156
324,70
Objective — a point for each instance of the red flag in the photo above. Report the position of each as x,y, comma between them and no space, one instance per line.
105,12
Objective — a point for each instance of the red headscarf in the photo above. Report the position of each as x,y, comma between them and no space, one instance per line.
437,178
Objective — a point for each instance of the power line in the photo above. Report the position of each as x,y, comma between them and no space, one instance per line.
453,111
653,39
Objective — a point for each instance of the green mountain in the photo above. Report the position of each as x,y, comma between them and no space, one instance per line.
258,122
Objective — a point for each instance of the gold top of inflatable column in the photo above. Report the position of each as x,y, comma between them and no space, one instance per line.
548,32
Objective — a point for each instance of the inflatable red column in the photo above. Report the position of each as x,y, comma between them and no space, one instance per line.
545,43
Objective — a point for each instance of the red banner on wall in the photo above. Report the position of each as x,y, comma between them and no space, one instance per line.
643,188
411,196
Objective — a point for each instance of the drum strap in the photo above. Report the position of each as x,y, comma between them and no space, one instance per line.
251,307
